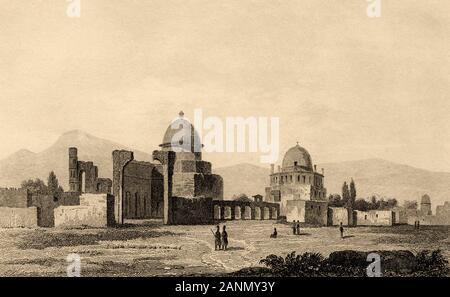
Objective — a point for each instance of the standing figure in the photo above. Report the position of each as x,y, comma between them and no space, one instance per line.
341,229
224,238
218,241
298,227
294,229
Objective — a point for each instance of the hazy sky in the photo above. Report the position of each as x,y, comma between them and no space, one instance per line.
344,85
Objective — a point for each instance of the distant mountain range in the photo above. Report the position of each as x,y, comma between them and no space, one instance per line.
25,164
372,176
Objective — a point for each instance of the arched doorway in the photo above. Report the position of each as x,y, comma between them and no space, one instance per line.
237,212
82,182
217,212
257,213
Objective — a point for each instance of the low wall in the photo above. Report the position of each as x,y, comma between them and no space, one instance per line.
18,217
95,210
374,218
428,220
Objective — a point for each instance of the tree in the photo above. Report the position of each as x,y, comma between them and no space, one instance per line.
54,189
362,204
374,203
242,198
410,204
352,195
335,200
345,193
36,187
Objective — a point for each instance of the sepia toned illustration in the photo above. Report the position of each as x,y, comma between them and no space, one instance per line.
224,139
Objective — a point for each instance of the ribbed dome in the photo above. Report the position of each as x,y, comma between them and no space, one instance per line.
181,136
297,156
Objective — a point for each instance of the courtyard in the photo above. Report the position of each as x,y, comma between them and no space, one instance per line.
149,248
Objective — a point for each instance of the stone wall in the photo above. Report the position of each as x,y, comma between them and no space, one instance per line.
337,215
374,218
18,217
143,190
91,182
46,204
95,210
191,211
401,215
307,211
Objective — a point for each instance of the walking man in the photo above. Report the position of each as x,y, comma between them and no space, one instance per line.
224,238
217,238
298,227
341,229
294,229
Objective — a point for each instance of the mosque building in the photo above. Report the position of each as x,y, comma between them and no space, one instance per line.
298,188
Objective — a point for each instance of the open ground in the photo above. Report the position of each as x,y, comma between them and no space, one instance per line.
148,248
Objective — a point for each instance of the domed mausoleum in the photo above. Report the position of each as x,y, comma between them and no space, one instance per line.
147,190
298,188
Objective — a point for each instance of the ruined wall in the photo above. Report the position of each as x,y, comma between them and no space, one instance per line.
95,210
143,190
18,198
18,217
91,182
337,215
46,204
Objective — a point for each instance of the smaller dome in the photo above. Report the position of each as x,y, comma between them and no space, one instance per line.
426,199
181,136
297,156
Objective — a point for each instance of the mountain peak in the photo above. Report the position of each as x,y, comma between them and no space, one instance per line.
75,133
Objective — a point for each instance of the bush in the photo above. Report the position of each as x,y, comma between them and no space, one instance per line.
354,263
431,263
307,264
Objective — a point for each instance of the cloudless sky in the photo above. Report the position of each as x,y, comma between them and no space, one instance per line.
344,85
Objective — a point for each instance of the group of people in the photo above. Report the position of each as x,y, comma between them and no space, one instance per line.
417,225
221,239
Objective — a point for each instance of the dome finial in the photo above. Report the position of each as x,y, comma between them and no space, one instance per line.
297,143
181,114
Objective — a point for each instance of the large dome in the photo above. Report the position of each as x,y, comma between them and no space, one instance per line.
297,156
181,136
